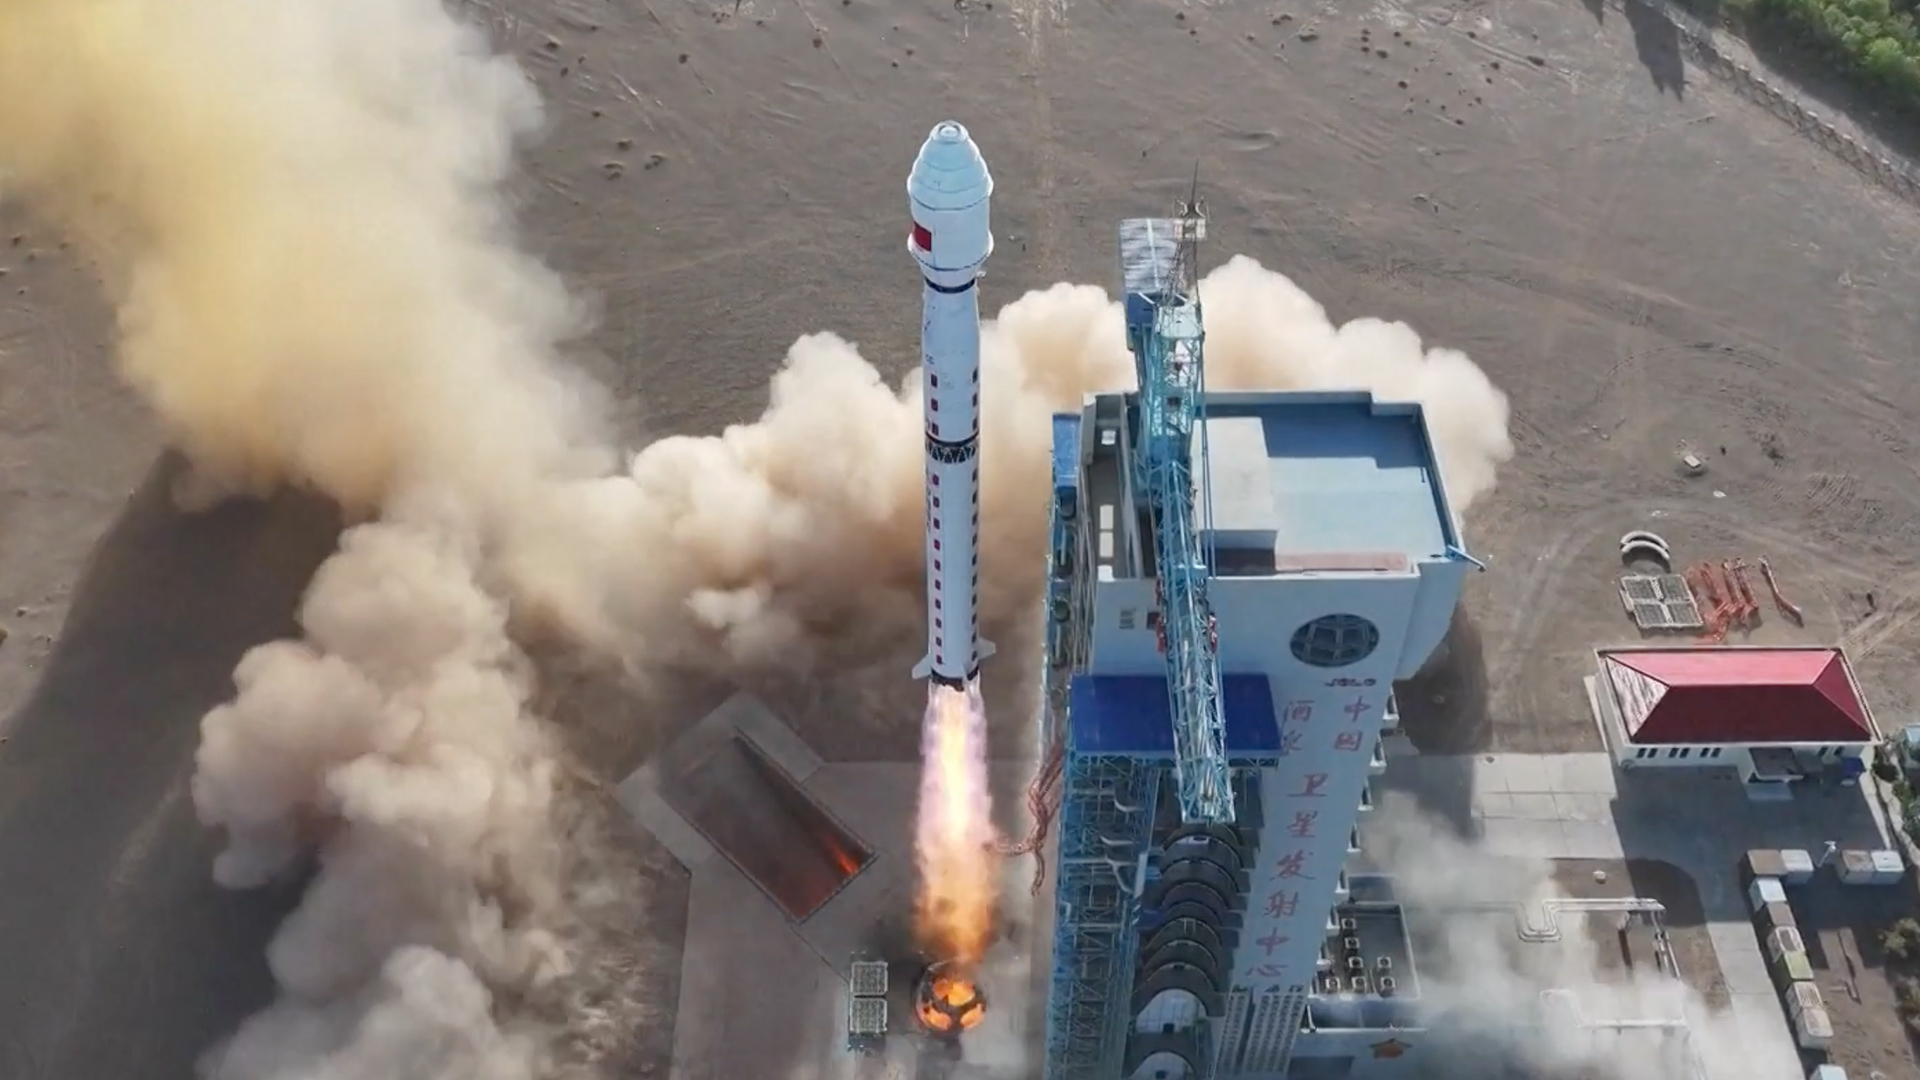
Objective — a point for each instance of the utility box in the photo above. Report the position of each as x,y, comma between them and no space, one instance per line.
1813,1029
1888,867
1783,940
1764,891
1775,916
1790,968
1765,863
1796,866
1802,996
1856,868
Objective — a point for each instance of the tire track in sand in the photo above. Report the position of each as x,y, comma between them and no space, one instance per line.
1901,608
1037,19
1534,606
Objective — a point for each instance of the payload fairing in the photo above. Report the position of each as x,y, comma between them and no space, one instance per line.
948,195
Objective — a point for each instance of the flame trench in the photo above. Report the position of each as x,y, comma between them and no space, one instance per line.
954,837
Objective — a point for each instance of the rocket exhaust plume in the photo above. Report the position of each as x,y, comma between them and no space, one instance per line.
953,834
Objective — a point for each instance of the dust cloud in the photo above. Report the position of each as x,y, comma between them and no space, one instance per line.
1510,1008
297,208
803,531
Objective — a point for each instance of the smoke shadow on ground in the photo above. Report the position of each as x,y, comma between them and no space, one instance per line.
1656,40
131,961
1443,708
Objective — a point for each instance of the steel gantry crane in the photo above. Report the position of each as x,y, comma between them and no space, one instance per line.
1158,264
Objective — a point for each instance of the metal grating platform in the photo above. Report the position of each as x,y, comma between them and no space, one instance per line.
1660,602
867,1016
868,978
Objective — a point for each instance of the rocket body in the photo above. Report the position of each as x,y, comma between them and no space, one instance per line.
948,195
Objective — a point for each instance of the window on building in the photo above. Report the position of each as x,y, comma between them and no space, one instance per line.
1675,752
1646,752
1711,751
1335,641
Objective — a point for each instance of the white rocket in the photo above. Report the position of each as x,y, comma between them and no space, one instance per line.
948,195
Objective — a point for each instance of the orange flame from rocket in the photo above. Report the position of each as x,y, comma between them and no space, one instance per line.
954,836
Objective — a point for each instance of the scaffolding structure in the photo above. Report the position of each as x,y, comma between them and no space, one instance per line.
1106,823
1105,818
1164,332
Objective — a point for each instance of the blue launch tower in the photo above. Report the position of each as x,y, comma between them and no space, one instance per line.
1236,580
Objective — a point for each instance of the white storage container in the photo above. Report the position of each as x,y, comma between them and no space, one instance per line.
1764,891
1798,866
1888,867
1802,996
1828,1071
1856,868
1813,1029
1785,939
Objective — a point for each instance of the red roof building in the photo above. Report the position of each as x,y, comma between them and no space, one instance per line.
1734,696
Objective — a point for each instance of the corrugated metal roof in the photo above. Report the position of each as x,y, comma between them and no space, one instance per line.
1130,714
1706,696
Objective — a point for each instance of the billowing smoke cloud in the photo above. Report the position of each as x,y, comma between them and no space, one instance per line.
1508,1007
787,533
296,209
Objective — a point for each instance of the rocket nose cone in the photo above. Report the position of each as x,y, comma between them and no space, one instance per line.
949,173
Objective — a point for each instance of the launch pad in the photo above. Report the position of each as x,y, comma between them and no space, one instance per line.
764,993
756,815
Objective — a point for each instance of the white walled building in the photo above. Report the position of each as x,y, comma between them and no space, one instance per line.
1775,714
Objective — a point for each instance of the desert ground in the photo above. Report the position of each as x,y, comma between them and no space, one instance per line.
1639,257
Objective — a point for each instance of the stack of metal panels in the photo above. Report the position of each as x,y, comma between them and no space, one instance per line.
1660,602
866,1005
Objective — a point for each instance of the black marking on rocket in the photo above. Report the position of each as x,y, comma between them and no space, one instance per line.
953,453
951,290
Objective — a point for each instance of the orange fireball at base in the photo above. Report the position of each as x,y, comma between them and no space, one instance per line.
948,1001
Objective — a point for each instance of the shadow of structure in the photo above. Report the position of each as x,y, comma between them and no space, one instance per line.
1440,788
1443,708
118,954
1597,9
1657,42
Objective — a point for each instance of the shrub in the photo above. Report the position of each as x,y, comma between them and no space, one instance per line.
1902,941
1872,41
1908,992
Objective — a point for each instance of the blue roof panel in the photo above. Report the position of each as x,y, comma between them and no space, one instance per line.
1066,451
1131,714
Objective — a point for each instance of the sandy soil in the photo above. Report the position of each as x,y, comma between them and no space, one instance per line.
1841,926
1639,260
1685,919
